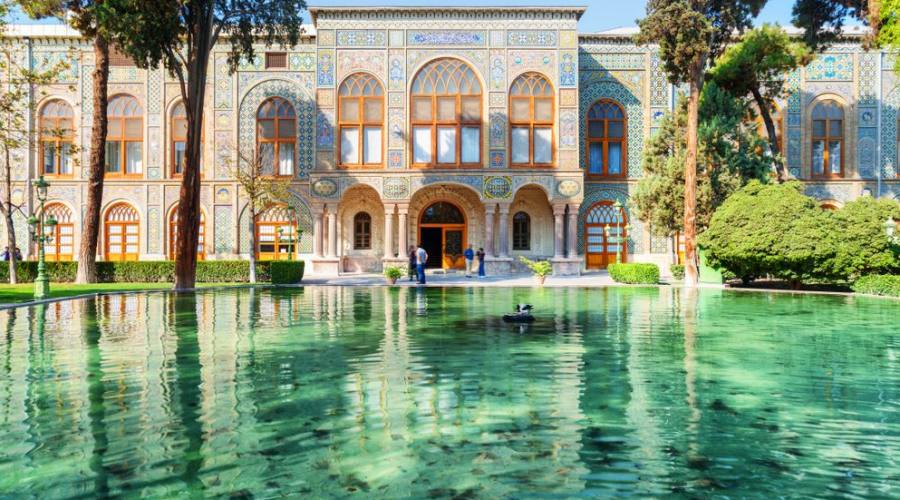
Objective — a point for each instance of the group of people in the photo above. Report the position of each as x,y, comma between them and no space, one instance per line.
6,254
418,257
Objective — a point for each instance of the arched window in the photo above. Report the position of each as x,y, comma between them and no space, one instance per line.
446,115
60,245
173,234
606,139
531,121
57,126
828,139
521,231
362,231
121,233
604,235
276,136
442,213
179,139
276,233
124,137
360,119
830,206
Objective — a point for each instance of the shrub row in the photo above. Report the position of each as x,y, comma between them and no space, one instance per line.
643,274
879,284
677,271
162,271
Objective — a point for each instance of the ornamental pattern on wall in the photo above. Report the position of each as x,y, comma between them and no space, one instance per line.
325,70
498,130
45,60
830,67
633,112
595,193
541,61
531,38
395,188
889,134
568,70
568,129
350,61
325,129
456,38
223,240
223,84
498,188
361,38
592,60
396,70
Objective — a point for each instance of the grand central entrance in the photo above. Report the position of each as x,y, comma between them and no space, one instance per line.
442,233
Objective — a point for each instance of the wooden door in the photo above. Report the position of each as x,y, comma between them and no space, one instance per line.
604,234
454,243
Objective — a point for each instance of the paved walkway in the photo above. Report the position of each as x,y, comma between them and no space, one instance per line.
459,279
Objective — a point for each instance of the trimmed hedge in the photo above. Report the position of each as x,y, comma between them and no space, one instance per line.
163,271
677,271
879,284
643,274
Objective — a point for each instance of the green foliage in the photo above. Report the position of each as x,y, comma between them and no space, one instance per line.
539,268
822,20
885,284
677,271
286,272
213,271
770,230
634,273
394,272
859,242
730,154
889,32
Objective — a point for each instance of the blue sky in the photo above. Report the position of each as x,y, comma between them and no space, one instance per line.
601,14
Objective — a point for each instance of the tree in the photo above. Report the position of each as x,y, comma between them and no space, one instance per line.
689,34
730,153
92,20
261,190
180,35
822,20
758,66
889,32
17,138
860,244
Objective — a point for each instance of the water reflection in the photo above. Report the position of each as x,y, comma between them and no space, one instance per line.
413,392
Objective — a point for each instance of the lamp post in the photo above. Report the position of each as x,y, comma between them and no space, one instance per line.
39,227
618,206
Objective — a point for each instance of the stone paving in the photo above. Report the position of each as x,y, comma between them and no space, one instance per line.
439,278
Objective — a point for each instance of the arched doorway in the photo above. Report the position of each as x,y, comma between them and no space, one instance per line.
604,231
442,233
61,245
122,233
276,233
173,234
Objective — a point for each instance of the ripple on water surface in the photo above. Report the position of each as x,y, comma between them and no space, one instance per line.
332,392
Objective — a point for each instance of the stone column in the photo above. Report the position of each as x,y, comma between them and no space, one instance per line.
332,232
318,228
504,230
389,231
572,251
558,213
402,244
489,229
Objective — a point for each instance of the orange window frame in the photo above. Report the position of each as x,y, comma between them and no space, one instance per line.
827,139
359,81
173,235
124,140
276,139
277,254
533,80
67,137
600,260
119,251
606,141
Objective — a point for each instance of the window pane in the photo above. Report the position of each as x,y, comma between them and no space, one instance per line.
818,128
520,110
446,143
180,129
113,158
266,129
350,145
834,157
471,145
471,109
615,129
596,158
543,110
422,145
350,110
133,160
267,158
65,156
286,129
446,109
373,110
114,128
520,144
818,154
179,156
133,128
422,109
49,153
615,158
834,128
286,158
596,130
543,145
373,145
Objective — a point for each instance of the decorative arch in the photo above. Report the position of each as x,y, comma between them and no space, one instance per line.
532,119
361,121
172,234
304,106
304,221
612,194
61,245
121,232
634,115
56,122
464,197
356,199
603,225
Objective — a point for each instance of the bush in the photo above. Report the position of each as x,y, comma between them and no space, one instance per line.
162,271
159,271
677,271
27,271
224,271
394,272
644,274
883,284
860,244
286,272
539,268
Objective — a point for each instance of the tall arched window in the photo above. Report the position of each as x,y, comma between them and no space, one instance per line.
276,233
828,139
360,119
57,126
121,233
606,126
173,234
362,231
60,246
531,121
521,231
276,136
124,137
446,115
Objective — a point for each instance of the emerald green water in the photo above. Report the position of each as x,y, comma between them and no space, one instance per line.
398,393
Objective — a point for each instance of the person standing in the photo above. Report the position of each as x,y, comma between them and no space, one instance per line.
421,259
469,254
411,253
480,256
5,254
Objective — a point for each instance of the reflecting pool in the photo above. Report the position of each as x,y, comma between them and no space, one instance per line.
380,392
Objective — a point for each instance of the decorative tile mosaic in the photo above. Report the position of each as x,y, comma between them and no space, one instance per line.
361,38
395,38
540,61
154,220
634,80
544,181
794,151
498,129
659,85
247,79
498,70
325,38
325,97
474,181
325,72
830,67
633,110
395,158
477,58
497,99
595,193
568,39
568,128
568,159
594,61
395,188
568,188
866,153
395,99
568,69
302,61
223,82
65,60
351,61
325,129
568,97
222,120
223,154
223,223
794,104
531,38
498,159
223,195
397,70
497,188
498,38
456,38
126,74
889,116
395,127
831,191
254,64
325,160
868,116
325,187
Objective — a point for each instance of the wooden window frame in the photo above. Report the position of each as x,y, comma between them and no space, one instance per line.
605,141
361,123
362,239
173,140
292,222
826,139
55,255
269,64
124,140
527,237
173,234
57,141
458,123
277,140
124,225
532,124
623,234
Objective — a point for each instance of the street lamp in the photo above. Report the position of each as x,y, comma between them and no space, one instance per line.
39,227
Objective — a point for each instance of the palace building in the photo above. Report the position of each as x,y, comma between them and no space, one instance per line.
499,127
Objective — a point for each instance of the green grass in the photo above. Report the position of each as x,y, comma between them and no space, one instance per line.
11,294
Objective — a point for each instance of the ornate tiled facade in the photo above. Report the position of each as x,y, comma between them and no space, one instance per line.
393,44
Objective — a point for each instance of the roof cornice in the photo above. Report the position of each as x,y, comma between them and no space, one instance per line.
538,11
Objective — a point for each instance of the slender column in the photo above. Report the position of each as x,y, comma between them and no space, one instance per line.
332,232
389,231
489,229
318,228
402,211
504,230
558,213
573,232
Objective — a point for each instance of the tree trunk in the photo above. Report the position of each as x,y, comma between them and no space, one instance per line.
252,242
87,253
766,115
11,240
189,197
691,274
